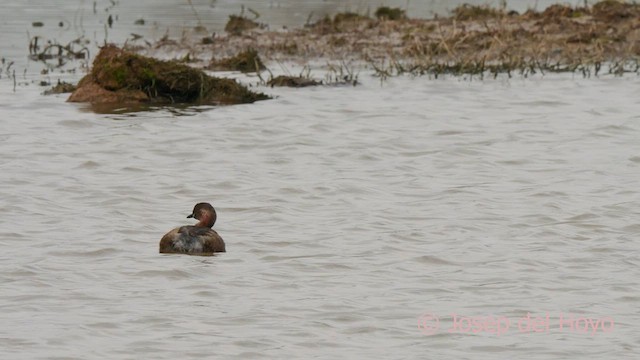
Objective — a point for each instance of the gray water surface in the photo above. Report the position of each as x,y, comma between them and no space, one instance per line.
348,214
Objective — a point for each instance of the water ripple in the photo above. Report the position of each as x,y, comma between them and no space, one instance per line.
347,213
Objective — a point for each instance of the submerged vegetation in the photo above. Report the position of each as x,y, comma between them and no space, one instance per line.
41,50
119,76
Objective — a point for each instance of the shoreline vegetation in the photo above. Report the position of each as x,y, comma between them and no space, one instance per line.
474,40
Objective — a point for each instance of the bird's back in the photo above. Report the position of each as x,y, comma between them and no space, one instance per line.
192,240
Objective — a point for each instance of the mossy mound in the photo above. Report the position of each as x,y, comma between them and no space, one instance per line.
246,61
239,24
119,76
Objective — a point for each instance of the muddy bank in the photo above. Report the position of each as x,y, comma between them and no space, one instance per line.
474,39
120,76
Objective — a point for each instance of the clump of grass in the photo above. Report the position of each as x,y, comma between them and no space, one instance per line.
472,12
560,11
304,79
239,24
341,22
337,74
348,17
337,41
61,88
292,81
606,10
342,73
246,61
612,10
286,47
387,13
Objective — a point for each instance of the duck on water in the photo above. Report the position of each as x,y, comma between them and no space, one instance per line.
198,239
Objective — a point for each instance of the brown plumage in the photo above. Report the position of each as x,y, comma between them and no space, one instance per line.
198,239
